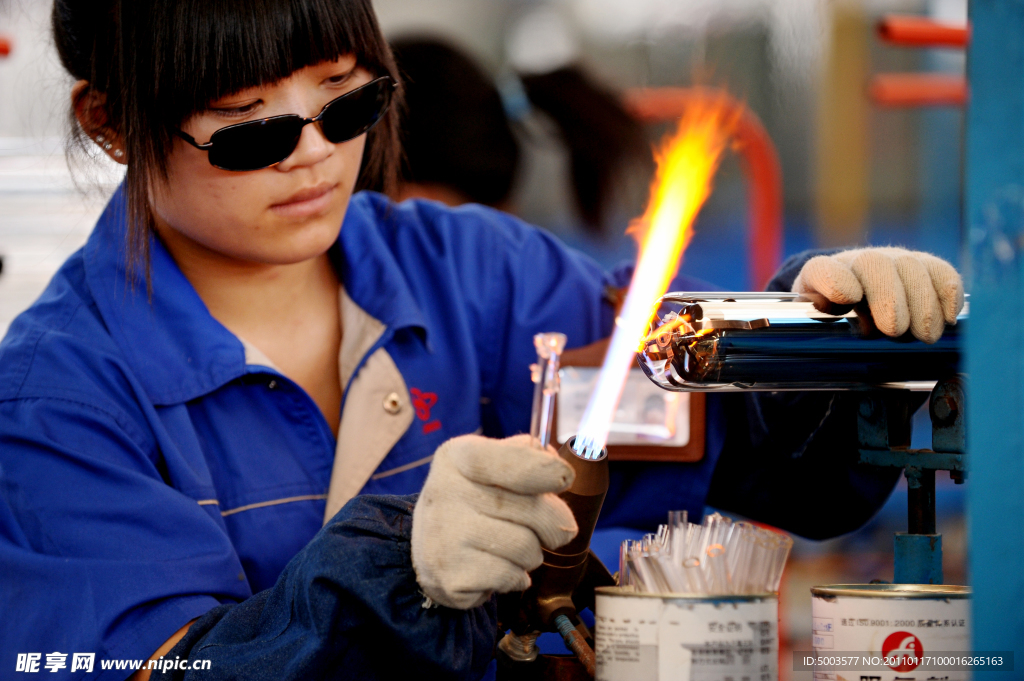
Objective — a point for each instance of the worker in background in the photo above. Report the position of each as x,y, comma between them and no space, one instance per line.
463,137
206,417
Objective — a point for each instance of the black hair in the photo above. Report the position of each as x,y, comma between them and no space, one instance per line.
456,131
158,62
603,139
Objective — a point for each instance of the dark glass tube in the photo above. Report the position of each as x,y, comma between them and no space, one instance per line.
744,341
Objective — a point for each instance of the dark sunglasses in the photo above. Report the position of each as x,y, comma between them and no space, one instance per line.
260,144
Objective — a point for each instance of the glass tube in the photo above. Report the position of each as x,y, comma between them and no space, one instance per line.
779,341
785,545
718,579
695,576
624,574
637,575
677,535
549,348
671,574
653,573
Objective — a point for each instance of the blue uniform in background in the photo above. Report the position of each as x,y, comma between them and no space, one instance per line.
149,473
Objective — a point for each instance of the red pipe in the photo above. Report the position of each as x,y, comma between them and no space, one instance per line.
910,31
764,173
918,89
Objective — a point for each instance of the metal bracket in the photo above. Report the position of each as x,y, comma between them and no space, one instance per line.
916,459
883,431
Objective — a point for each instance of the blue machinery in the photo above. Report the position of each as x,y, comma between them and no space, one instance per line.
994,239
884,433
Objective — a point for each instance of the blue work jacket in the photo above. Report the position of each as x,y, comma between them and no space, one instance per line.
152,468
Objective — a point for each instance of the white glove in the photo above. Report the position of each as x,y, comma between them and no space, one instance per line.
903,289
485,510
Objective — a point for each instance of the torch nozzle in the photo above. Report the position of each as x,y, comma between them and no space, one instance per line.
587,448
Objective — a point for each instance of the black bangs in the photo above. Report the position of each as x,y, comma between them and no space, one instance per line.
206,49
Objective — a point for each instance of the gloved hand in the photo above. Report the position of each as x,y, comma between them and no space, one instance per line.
903,289
485,510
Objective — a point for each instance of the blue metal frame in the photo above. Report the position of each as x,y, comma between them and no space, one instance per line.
917,558
995,341
884,433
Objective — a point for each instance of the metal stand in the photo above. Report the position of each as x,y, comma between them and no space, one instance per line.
883,430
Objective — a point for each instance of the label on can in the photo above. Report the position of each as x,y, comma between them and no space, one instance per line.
677,639
901,633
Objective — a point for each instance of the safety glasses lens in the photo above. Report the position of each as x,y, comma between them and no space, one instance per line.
353,114
255,145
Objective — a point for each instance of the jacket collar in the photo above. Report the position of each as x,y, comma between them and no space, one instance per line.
175,347
367,257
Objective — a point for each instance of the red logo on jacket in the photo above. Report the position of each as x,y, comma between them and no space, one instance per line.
423,402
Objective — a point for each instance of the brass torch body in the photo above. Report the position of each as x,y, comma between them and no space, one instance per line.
554,582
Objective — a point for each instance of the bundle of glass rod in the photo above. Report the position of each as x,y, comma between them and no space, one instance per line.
716,557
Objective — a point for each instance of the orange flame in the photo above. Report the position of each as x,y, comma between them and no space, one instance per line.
667,327
687,163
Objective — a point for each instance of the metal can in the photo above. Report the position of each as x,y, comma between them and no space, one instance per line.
894,626
685,637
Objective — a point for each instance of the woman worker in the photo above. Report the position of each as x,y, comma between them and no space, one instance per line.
245,344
